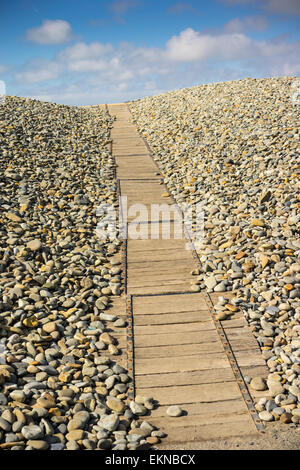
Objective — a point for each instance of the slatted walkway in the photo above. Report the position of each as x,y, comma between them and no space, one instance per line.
177,351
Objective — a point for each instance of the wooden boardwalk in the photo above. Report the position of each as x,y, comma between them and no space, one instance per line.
178,352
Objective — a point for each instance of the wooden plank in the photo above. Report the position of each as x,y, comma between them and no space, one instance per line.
142,228
128,140
140,269
142,186
205,411
157,267
158,289
160,275
154,201
169,303
125,137
136,171
141,162
186,363
245,359
150,273
133,144
128,187
151,245
242,344
158,281
157,255
165,285
127,153
255,371
157,310
180,328
202,312
199,420
123,126
135,149
192,433
234,326
123,134
168,318
158,264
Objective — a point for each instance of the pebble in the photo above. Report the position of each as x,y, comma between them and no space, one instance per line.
110,422
32,432
34,245
274,388
5,425
258,383
138,409
266,416
286,417
38,444
222,316
115,404
75,435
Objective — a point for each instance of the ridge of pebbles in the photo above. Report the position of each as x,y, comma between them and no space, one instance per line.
61,384
233,148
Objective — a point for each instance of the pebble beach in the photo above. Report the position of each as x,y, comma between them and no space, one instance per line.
234,148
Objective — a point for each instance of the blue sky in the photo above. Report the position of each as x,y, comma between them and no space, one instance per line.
93,52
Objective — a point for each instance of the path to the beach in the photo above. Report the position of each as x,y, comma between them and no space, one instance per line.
177,350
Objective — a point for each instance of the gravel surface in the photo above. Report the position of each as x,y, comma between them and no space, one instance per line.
233,149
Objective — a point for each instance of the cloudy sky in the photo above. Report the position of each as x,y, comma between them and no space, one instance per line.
88,52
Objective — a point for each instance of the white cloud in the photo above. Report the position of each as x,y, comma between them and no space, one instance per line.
262,58
86,66
191,45
51,32
38,70
83,51
82,57
289,7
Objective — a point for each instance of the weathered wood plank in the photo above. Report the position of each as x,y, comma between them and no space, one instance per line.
181,328
158,289
192,433
177,338
205,411
186,363
196,393
169,304
178,350
169,318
